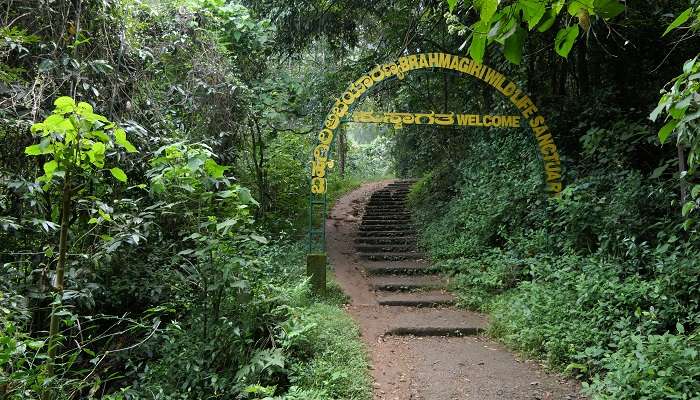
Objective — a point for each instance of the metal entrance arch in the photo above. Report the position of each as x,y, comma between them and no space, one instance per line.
357,90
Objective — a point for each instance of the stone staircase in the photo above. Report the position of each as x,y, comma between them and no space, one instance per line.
400,275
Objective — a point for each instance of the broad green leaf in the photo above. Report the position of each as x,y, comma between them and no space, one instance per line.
487,8
547,22
477,48
119,135
666,131
50,167
226,224
258,238
658,171
104,215
84,108
128,147
608,8
195,163
679,109
688,207
504,25
118,173
244,196
575,6
680,20
54,122
680,328
662,104
101,135
688,65
451,4
213,169
99,148
513,49
533,11
64,104
557,6
565,40
695,191
120,138
34,150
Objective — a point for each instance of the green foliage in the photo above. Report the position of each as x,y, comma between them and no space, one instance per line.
370,161
271,339
654,366
178,280
482,214
507,23
76,140
565,40
597,281
339,369
681,106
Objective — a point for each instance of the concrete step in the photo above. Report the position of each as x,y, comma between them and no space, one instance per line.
406,181
387,256
438,322
375,207
374,221
385,210
386,222
387,240
446,331
390,193
394,192
402,268
386,233
399,213
388,196
397,216
400,218
400,283
386,203
386,248
387,227
433,298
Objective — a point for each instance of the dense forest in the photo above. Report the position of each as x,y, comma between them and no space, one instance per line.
154,188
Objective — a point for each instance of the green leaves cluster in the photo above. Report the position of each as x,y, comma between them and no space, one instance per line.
189,167
75,138
507,25
680,104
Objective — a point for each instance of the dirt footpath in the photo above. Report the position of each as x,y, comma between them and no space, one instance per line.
421,347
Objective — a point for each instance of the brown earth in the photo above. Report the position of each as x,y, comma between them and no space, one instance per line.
433,351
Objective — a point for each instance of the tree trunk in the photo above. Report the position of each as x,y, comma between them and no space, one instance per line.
582,67
681,170
60,268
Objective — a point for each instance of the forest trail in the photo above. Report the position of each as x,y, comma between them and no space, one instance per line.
421,346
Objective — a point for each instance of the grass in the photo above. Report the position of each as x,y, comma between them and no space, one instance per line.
339,368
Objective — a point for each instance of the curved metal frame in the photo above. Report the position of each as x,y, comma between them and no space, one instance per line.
431,62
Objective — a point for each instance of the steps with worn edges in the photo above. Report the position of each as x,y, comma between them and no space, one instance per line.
387,242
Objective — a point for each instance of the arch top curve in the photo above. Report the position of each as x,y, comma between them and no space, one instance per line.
464,65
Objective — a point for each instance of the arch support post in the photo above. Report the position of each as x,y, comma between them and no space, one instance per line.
316,270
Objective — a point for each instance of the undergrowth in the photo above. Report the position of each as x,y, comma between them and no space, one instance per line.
581,281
